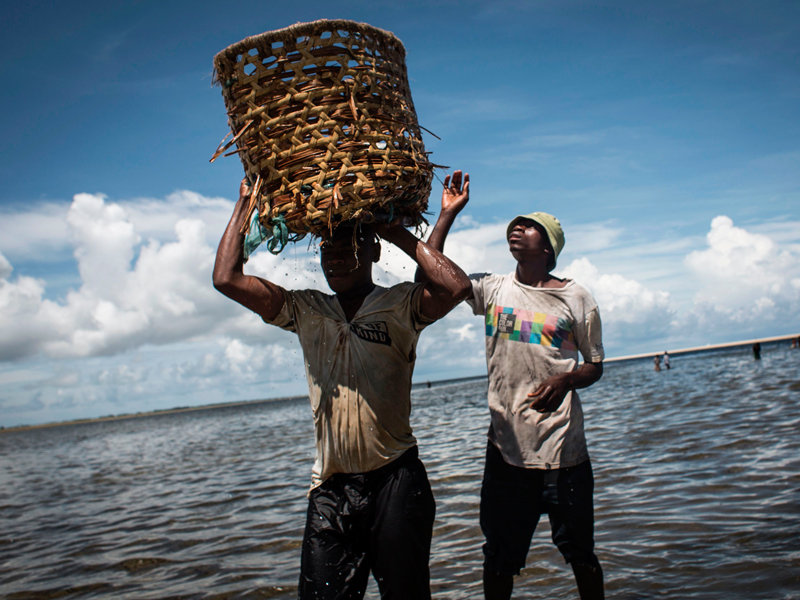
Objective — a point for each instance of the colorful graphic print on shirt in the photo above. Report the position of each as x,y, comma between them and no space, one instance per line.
529,327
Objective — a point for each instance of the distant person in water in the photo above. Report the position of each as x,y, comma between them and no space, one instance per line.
537,328
757,351
666,361
657,362
370,507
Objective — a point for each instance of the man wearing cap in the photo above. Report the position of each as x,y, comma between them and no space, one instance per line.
536,459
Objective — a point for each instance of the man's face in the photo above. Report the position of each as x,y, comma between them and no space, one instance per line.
346,259
528,240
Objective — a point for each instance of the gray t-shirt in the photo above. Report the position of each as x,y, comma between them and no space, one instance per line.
531,334
359,374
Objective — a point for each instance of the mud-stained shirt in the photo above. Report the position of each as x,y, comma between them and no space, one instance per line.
359,374
531,334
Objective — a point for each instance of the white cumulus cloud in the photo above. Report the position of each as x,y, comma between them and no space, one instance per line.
628,309
464,333
26,319
105,241
5,268
133,290
744,277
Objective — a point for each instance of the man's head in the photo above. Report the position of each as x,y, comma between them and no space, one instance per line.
348,255
533,235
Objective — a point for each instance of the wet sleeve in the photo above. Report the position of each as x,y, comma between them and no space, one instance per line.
286,318
590,342
414,299
478,300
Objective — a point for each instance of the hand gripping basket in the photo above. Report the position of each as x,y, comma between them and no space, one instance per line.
322,119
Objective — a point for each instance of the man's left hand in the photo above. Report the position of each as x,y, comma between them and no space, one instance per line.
549,396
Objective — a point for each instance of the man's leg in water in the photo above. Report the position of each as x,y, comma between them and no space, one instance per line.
568,496
402,528
334,563
510,510
497,586
589,578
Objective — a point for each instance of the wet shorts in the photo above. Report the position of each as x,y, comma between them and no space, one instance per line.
380,521
513,499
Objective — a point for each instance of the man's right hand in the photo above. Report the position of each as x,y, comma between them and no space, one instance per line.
244,190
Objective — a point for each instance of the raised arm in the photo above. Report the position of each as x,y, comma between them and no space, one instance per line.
445,283
259,295
455,196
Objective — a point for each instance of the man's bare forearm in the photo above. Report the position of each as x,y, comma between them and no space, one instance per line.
585,375
441,229
437,238
455,195
552,391
447,283
230,254
259,295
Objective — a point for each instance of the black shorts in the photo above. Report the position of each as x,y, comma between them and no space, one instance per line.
513,499
380,521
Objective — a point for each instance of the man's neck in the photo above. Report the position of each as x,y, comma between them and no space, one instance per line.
352,299
536,274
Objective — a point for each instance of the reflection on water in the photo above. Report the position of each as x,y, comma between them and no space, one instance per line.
697,475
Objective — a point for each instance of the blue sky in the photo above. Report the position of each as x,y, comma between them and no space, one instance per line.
664,135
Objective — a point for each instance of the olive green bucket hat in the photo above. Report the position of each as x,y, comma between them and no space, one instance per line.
551,225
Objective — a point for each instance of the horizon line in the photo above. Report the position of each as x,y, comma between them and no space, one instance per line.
234,403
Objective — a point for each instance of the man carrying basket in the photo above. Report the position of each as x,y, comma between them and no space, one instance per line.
370,506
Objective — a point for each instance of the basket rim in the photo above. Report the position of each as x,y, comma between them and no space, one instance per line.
299,29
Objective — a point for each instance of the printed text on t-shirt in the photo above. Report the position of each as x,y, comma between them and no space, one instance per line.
376,332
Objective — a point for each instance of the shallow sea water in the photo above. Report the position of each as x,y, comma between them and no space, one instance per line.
697,492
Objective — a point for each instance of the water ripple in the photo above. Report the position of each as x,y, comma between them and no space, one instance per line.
697,495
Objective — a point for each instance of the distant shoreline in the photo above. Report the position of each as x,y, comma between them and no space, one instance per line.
416,385
152,413
777,338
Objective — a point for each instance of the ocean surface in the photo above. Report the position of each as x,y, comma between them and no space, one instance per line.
697,473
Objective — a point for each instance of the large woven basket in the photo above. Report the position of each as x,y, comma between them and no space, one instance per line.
322,119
